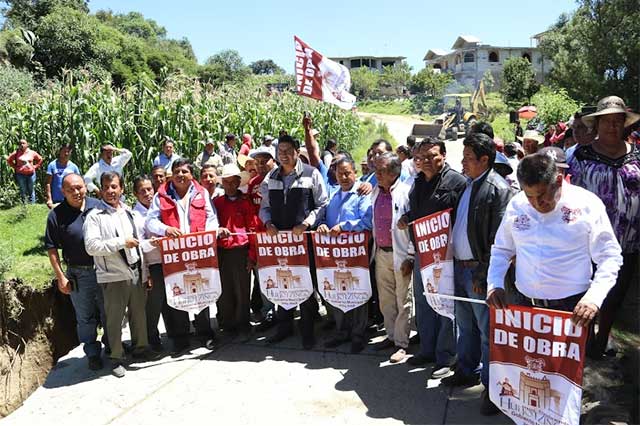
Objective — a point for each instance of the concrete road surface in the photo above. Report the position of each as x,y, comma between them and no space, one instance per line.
252,383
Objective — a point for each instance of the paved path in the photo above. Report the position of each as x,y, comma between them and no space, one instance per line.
400,126
251,383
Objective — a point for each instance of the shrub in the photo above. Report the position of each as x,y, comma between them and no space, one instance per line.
15,83
554,105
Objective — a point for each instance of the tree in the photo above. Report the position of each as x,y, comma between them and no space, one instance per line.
518,81
428,81
224,66
397,77
489,80
67,39
266,66
134,24
595,51
554,105
27,13
364,82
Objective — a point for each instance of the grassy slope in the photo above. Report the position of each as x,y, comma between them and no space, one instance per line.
395,107
22,253
369,132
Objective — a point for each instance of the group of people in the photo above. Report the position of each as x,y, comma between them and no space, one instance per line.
556,233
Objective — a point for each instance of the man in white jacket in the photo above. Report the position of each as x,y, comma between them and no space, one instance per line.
111,237
106,163
394,253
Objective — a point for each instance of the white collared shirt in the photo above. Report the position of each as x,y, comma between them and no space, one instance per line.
461,246
554,250
152,254
97,169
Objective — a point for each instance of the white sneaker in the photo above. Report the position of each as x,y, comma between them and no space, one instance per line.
440,372
118,370
398,356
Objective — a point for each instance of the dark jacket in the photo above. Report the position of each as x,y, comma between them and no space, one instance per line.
431,196
293,208
489,198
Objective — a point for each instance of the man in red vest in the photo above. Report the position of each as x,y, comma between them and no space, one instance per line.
182,206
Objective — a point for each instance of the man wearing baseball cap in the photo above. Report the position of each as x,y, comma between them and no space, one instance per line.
260,305
269,144
558,156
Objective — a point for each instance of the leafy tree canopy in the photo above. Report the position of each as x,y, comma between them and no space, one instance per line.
266,66
518,81
595,51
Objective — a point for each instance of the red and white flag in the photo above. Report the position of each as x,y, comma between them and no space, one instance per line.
320,78
432,234
535,368
342,267
190,266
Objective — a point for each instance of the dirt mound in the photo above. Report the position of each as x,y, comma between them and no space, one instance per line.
36,328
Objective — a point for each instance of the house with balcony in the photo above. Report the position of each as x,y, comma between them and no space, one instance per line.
469,59
373,62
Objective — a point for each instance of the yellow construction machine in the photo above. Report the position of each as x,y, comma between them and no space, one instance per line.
460,112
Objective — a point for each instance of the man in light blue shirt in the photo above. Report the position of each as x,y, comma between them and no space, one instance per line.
167,156
347,211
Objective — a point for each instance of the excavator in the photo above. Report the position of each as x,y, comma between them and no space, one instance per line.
460,112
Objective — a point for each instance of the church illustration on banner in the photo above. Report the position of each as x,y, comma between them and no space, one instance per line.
343,279
285,279
192,282
533,391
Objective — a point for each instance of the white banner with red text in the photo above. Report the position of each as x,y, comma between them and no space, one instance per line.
283,268
342,268
536,364
191,274
432,235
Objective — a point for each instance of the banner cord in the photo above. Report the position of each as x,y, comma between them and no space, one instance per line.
461,299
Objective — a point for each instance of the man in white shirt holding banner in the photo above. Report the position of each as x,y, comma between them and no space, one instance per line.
555,230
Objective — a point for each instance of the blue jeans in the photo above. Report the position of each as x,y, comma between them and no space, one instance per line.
473,326
436,332
26,185
88,302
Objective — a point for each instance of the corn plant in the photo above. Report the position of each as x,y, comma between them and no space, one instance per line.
88,115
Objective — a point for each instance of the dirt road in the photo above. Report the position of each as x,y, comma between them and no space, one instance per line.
400,126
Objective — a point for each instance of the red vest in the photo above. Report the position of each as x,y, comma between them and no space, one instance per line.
197,208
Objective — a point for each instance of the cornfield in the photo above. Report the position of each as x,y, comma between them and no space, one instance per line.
88,115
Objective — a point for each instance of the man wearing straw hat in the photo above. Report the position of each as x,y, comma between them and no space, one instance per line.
610,168
531,141
237,217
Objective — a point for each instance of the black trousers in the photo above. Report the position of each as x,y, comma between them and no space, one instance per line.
351,325
236,288
176,321
308,308
156,305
